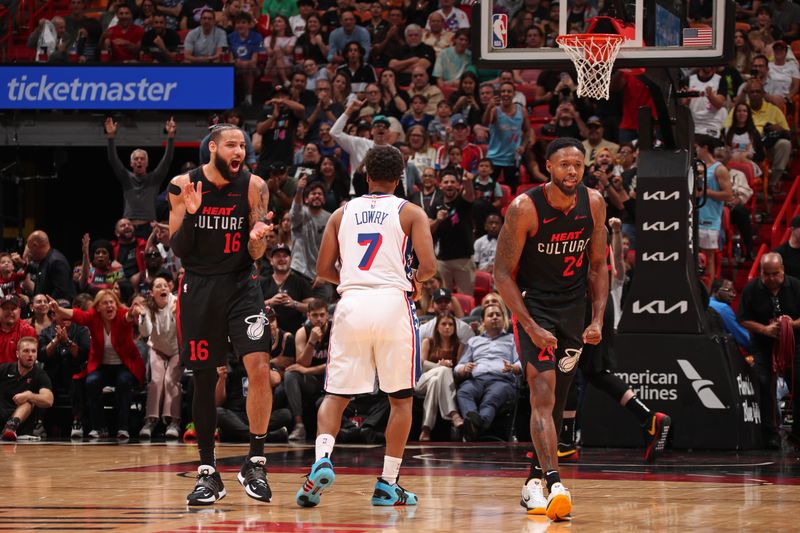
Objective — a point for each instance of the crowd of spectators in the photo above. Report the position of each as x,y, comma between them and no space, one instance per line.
343,77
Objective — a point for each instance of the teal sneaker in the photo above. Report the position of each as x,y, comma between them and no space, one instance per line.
320,478
392,495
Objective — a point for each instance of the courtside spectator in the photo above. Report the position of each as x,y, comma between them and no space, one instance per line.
50,271
114,359
487,372
24,386
12,329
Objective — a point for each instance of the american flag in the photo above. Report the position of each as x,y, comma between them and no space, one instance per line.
700,36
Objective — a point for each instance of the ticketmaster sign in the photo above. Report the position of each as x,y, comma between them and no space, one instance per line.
128,87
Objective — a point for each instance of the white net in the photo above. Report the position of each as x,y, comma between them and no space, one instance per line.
593,55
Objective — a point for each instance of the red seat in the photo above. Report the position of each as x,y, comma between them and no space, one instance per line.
467,302
182,34
483,285
523,187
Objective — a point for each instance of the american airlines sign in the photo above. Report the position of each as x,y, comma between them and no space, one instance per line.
660,257
661,195
659,307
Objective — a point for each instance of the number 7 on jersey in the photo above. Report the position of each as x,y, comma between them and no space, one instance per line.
373,243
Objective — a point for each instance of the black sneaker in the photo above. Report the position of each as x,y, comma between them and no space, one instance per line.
208,489
253,477
656,434
10,431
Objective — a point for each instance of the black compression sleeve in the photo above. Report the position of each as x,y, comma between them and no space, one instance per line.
183,240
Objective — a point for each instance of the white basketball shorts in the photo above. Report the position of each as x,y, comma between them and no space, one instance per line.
374,332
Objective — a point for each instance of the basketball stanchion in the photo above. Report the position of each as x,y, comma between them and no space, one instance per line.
593,55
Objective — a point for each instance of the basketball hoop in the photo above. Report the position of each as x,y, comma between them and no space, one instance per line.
593,55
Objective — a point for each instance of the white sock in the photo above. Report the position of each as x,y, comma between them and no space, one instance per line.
391,469
324,445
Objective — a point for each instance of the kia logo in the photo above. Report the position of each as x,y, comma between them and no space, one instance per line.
660,226
660,257
659,307
661,195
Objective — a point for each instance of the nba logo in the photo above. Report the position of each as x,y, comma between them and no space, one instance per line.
499,30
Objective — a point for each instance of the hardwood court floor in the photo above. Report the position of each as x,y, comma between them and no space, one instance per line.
142,487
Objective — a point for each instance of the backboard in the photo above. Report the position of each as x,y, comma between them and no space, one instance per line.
659,33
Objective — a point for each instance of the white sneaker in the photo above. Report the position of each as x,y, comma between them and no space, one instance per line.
533,497
298,433
559,503
147,429
173,430
123,434
77,430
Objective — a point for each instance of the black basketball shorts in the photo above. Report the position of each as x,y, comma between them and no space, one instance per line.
217,312
561,315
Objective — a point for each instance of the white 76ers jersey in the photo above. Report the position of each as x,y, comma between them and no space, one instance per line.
374,251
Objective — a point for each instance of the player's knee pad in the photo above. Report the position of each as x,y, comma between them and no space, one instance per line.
401,394
609,383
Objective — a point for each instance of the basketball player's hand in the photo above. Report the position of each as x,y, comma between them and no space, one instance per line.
593,334
541,337
262,229
192,198
111,128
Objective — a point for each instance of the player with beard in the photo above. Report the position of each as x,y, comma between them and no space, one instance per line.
554,239
213,209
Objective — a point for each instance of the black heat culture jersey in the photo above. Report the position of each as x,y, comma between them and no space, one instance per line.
222,228
556,259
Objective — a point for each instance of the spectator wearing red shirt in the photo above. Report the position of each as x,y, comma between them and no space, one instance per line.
636,95
113,357
125,38
12,329
470,153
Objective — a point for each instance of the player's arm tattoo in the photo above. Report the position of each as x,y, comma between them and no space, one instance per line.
598,270
510,243
258,213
